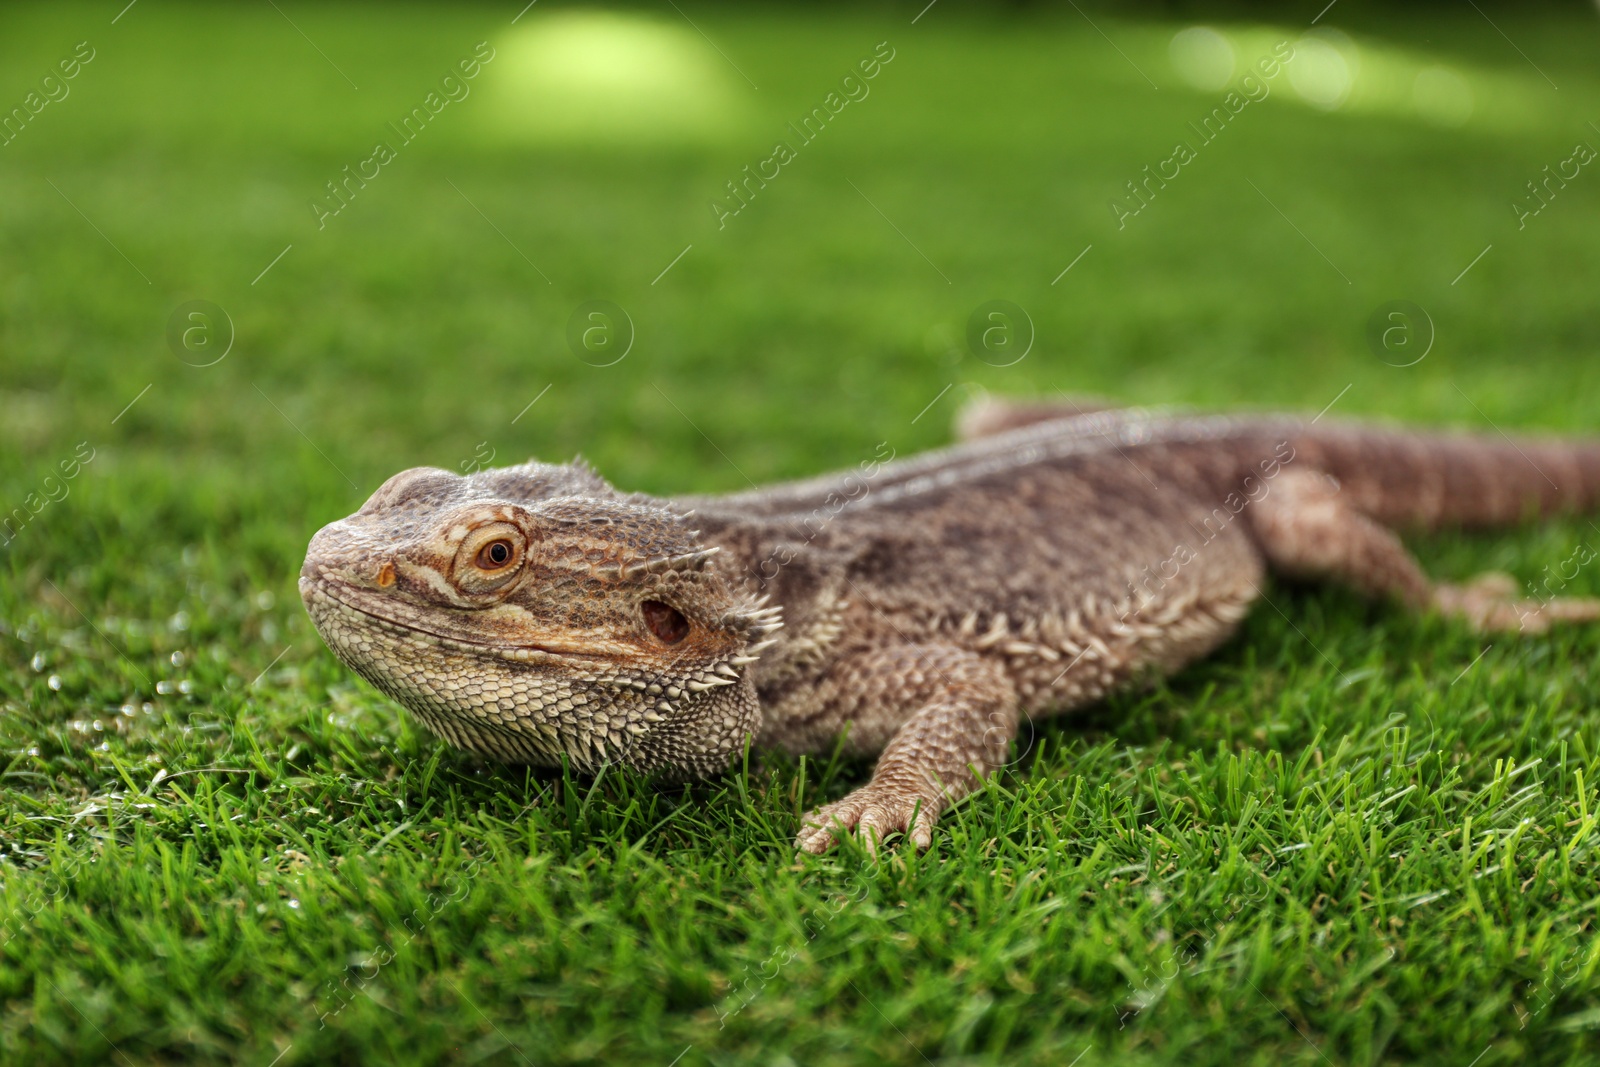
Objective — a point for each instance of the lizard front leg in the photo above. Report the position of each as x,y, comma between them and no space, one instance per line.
943,715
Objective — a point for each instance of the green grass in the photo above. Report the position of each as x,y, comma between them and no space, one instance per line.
1351,837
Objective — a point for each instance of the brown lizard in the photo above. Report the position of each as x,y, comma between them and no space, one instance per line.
918,608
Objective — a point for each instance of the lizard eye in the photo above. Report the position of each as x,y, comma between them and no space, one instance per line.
665,621
490,558
496,554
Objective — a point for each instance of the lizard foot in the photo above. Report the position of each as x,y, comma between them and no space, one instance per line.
1489,602
874,811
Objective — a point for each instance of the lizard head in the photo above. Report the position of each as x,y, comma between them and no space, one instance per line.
532,612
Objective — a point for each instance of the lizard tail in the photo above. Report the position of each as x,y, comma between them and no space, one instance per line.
1432,480
1401,478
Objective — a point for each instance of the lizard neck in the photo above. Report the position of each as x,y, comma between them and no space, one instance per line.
794,569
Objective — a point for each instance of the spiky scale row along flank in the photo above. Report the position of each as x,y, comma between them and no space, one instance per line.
535,613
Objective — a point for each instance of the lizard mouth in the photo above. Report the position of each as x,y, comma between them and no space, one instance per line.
326,595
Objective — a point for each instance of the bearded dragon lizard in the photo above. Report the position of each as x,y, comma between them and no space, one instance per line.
918,608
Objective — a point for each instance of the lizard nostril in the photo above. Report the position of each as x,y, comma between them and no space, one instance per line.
386,576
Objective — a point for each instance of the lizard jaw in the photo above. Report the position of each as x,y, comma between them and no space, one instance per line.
531,705
321,596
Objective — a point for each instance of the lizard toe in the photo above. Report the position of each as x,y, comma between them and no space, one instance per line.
1489,602
1535,616
814,839
1495,585
820,826
875,826
873,813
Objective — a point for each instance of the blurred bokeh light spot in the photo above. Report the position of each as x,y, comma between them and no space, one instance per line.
1202,57
1442,96
610,78
1324,69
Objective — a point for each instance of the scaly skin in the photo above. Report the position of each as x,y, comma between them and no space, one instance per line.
919,607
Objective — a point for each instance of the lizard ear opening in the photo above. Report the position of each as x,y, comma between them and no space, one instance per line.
664,621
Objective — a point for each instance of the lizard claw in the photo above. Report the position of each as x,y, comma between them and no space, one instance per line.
874,812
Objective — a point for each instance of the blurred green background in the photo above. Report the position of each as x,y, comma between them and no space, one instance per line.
149,622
